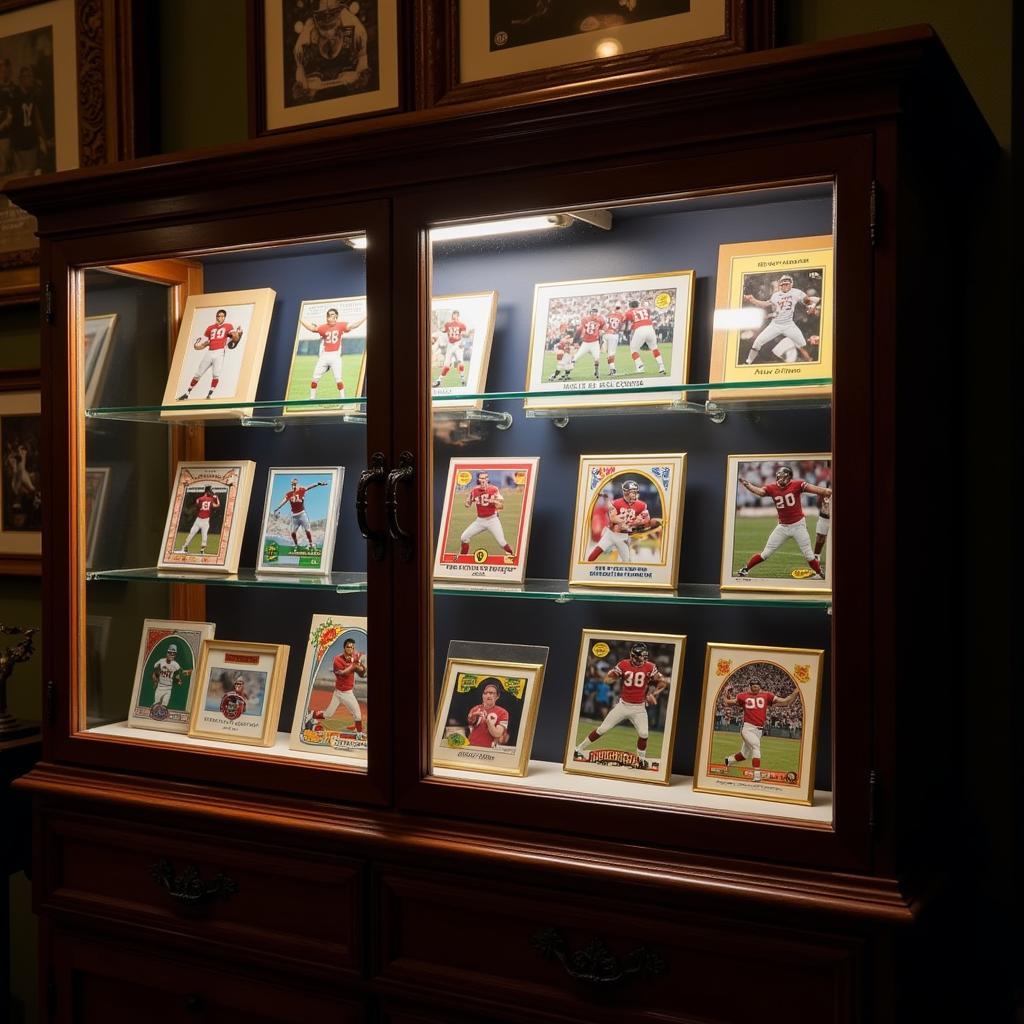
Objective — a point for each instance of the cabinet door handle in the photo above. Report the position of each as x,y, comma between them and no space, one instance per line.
595,963
402,472
375,473
188,887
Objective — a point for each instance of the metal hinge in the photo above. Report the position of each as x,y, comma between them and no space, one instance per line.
873,213
48,314
51,702
874,791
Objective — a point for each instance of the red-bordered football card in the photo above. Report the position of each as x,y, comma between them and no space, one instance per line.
485,520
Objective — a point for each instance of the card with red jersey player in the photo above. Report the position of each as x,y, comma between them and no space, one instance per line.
300,519
613,342
628,521
758,729
461,331
239,691
487,712
777,533
774,311
328,358
623,721
206,518
331,707
218,355
485,520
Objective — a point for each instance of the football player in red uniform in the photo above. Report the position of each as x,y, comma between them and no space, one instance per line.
489,502
488,723
589,334
634,676
329,358
755,703
786,492
614,323
346,667
626,515
205,504
641,323
213,339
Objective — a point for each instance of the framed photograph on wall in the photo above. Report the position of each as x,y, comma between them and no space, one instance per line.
487,715
21,489
624,706
61,61
461,331
628,522
166,673
96,345
774,311
485,520
758,727
602,335
328,356
239,691
516,47
778,520
97,483
218,354
332,706
321,60
206,518
300,520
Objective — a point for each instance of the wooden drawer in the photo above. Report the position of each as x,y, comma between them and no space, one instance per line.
298,908
98,981
519,953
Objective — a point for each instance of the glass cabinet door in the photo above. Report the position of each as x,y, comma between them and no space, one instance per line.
632,546
225,397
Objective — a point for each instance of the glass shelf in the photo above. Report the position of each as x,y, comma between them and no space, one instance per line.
502,420
337,582
266,414
558,591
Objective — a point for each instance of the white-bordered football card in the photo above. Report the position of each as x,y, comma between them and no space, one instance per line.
331,708
206,518
485,520
628,521
218,354
97,339
238,692
165,673
758,730
300,519
778,523
624,706
328,357
461,332
591,339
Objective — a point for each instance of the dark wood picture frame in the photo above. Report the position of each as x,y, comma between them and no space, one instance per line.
750,25
321,114
112,90
15,382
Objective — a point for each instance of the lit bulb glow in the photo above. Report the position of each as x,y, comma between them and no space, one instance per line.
608,48
357,241
746,319
494,227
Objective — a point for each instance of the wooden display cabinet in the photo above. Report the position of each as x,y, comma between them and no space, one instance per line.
392,891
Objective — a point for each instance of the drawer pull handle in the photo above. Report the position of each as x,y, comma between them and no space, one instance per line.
189,887
595,963
376,473
401,473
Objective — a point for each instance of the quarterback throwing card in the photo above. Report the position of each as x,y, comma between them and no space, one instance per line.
485,520
759,722
330,712
165,674
590,340
300,519
461,328
487,714
778,520
239,690
218,354
205,522
328,356
629,521
774,312
624,706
